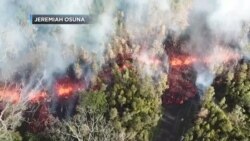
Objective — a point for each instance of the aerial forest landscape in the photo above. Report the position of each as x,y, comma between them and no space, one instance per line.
142,70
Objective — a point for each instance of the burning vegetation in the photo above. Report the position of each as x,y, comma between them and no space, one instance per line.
121,70
63,88
181,79
66,87
134,75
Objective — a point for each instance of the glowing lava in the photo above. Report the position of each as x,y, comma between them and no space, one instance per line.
181,76
64,90
10,94
181,60
13,95
66,87
218,56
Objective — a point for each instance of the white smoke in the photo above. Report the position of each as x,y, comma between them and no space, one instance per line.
44,46
229,17
145,16
49,49
217,23
147,23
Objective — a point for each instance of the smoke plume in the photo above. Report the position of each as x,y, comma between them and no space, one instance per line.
40,51
215,31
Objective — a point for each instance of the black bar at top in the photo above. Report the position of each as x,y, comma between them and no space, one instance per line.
62,19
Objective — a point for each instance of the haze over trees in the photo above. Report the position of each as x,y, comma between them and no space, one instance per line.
116,95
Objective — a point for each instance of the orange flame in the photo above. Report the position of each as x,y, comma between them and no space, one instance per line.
10,94
66,87
64,90
219,55
182,61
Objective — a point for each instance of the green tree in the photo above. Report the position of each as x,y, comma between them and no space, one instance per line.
11,117
216,125
134,103
238,88
88,124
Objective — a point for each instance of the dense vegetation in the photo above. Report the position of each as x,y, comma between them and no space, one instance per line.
224,113
123,101
128,107
134,104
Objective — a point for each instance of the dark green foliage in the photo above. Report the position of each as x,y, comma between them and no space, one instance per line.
35,137
228,117
135,105
215,125
96,100
16,136
89,124
238,88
